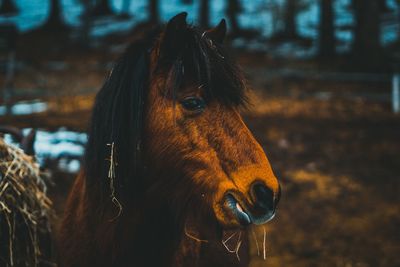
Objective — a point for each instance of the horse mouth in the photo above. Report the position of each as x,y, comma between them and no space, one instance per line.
243,215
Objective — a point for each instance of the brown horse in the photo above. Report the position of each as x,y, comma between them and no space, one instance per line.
170,165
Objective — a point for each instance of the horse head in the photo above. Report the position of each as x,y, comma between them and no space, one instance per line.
168,119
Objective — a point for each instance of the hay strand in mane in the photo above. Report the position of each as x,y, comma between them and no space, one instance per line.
193,237
111,176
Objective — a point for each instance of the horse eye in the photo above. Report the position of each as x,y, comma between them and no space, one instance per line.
194,103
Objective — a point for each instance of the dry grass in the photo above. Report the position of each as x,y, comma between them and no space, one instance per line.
25,210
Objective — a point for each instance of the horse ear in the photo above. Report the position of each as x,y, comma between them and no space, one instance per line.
218,33
176,23
174,33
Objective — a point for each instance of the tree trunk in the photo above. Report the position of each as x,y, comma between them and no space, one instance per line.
398,31
276,15
55,21
102,8
290,29
86,25
153,11
232,11
204,14
383,7
366,45
326,30
125,8
8,7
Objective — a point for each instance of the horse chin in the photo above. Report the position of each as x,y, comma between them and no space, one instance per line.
232,215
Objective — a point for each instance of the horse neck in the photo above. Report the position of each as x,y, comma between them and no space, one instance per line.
143,235
149,227
156,230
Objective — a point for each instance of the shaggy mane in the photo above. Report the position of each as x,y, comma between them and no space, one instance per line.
118,110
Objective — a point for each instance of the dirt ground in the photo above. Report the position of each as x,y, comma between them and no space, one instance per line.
334,145
338,162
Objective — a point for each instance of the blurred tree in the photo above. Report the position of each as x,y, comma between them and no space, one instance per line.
8,7
154,15
54,21
367,31
276,14
125,8
290,10
233,9
290,29
86,18
383,6
102,8
204,14
398,32
326,29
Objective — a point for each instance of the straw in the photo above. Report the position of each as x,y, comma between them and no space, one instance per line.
25,210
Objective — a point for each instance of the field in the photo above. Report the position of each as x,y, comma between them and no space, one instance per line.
333,143
339,164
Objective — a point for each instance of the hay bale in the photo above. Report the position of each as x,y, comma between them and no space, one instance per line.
25,210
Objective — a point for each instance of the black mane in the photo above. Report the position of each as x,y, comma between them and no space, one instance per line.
199,57
118,110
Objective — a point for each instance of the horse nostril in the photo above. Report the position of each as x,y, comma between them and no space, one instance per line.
264,198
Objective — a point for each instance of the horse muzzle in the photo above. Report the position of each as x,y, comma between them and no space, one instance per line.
260,209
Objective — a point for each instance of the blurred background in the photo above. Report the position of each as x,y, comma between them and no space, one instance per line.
325,105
